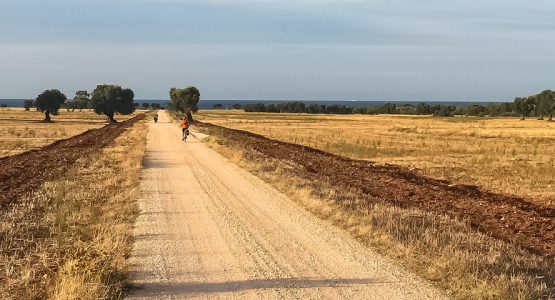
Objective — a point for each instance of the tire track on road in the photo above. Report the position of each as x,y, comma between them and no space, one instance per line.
223,233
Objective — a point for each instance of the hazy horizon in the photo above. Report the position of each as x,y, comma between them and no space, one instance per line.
283,50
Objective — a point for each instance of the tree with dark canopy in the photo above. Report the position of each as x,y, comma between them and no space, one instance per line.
49,102
70,105
185,100
550,104
524,106
82,100
543,103
28,104
110,99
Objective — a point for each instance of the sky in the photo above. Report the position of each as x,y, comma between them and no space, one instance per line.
429,50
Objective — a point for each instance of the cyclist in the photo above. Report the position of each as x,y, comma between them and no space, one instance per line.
184,128
156,118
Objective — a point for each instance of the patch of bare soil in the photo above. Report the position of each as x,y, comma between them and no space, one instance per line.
505,217
23,173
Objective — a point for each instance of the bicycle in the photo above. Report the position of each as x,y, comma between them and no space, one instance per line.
185,134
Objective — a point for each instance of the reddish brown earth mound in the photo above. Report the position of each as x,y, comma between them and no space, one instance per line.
506,217
23,173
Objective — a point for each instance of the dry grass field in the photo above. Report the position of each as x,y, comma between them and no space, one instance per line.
70,238
447,251
502,154
22,130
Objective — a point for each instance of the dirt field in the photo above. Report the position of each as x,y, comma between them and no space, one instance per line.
211,230
505,155
23,173
22,130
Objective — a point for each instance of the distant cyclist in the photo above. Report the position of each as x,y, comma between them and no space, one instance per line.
185,128
156,118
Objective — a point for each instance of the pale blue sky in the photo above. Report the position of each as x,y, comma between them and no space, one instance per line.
281,49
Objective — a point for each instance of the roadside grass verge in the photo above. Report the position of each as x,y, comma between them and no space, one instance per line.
71,238
446,251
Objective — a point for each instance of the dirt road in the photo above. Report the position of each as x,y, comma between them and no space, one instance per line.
209,229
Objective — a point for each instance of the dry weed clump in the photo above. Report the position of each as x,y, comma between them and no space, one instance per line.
70,239
501,154
448,252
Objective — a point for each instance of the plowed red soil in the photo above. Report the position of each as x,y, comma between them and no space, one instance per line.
505,217
23,173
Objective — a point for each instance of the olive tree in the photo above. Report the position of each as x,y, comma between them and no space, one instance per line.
27,104
524,106
110,99
185,100
70,105
550,105
49,102
82,100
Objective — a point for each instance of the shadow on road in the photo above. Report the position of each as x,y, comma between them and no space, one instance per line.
238,286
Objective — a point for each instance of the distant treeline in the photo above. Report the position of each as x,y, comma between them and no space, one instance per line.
109,99
540,105
387,108
82,101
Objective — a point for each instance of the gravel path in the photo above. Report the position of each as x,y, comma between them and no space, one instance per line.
209,229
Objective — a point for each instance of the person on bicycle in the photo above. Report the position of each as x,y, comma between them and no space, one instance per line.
156,118
185,127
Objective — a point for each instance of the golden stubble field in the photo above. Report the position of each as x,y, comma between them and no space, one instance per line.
502,154
22,130
70,238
